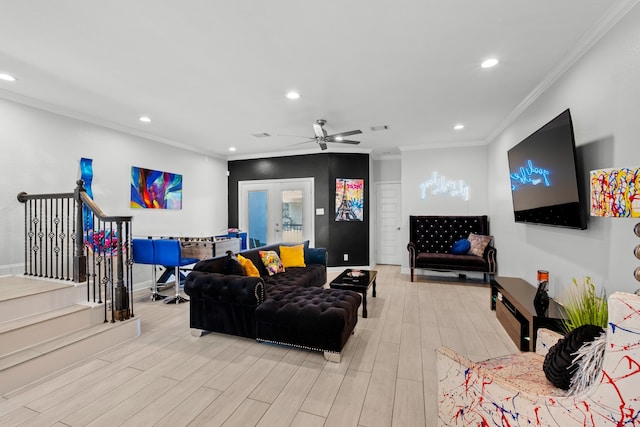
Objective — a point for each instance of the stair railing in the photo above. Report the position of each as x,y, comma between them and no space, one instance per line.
68,237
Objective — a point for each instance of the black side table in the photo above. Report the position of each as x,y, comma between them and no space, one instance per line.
358,281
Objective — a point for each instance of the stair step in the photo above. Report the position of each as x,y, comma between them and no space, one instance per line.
12,287
47,325
31,330
27,365
27,296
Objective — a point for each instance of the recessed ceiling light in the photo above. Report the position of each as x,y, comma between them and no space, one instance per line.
145,119
293,95
459,126
488,63
339,138
232,148
7,77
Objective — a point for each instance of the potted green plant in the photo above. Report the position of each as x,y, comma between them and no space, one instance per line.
575,360
584,306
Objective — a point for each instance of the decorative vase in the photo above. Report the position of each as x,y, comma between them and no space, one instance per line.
541,300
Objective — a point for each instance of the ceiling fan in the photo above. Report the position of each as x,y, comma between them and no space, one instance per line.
321,137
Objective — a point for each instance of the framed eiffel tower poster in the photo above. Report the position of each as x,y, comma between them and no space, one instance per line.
349,199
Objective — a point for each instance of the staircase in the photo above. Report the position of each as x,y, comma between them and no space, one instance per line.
47,325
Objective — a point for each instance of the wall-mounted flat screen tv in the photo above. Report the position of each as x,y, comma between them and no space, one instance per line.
544,177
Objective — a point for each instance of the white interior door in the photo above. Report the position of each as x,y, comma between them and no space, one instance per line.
388,222
273,211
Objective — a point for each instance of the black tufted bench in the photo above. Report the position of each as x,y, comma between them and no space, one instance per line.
431,238
311,318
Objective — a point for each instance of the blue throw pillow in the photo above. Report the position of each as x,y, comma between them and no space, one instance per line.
461,247
315,255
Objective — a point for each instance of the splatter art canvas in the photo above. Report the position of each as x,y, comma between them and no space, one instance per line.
615,192
151,189
349,199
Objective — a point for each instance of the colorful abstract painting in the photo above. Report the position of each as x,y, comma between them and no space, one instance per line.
151,189
86,175
615,192
349,199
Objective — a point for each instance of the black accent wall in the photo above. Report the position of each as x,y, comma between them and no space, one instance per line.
338,237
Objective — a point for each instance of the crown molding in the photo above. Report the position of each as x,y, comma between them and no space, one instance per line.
386,157
442,144
299,153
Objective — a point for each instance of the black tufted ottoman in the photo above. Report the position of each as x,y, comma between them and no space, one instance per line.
312,318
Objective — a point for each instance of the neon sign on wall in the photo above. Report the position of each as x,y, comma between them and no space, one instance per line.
530,175
440,185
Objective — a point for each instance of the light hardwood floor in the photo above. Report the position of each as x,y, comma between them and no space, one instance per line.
166,377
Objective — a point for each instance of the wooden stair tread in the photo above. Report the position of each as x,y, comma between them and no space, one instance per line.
61,341
12,287
40,317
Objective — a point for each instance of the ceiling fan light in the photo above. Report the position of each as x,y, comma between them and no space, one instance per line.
7,77
490,62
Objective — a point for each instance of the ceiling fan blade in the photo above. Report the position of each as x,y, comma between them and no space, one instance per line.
304,142
347,141
323,145
348,133
296,136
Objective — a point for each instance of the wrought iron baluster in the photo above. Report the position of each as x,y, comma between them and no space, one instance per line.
39,241
50,242
26,233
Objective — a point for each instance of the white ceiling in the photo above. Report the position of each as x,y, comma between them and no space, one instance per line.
212,73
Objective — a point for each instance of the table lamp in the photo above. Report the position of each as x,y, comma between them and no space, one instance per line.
616,193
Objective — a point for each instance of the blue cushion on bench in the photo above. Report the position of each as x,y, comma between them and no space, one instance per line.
461,247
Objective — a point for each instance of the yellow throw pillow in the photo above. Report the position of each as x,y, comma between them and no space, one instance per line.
292,256
249,268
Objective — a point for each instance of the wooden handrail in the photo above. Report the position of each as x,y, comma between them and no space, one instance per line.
24,197
93,207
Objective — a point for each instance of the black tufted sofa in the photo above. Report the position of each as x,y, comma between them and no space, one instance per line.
288,308
431,238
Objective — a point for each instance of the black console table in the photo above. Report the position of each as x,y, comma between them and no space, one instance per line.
512,299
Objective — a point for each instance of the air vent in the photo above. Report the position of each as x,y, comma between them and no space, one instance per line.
261,135
377,128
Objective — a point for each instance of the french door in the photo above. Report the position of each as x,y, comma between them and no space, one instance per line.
279,210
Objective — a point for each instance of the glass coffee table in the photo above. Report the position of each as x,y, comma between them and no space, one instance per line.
358,281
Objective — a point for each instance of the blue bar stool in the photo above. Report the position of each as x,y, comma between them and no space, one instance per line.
143,253
168,253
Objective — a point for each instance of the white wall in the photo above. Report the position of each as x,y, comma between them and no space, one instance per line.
41,152
603,92
468,164
387,169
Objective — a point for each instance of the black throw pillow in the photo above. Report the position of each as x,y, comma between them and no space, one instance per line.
232,265
558,362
